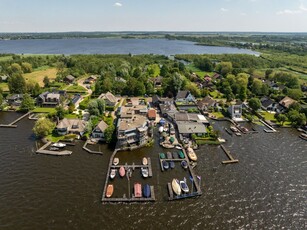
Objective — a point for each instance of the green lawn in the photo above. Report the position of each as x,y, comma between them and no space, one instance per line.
217,114
268,116
43,110
4,86
216,94
71,116
76,88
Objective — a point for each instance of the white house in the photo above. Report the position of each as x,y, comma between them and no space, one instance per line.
185,96
99,131
235,112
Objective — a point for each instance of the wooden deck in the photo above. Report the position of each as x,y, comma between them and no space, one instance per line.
231,159
172,196
43,150
90,151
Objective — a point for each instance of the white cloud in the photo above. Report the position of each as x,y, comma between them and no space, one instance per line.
224,10
301,9
118,4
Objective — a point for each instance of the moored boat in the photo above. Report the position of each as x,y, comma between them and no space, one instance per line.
191,154
165,164
122,171
184,164
144,172
58,145
169,155
54,149
184,187
146,191
172,164
181,154
303,136
110,190
113,173
162,155
175,155
137,190
115,161
178,147
144,161
160,129
233,129
176,187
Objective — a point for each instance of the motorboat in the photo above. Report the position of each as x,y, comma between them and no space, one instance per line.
145,161
178,147
176,187
137,190
115,161
172,164
184,164
191,154
58,145
165,164
184,187
113,173
144,172
233,129
122,171
110,190
162,155
169,155
175,155
181,154
146,191
303,136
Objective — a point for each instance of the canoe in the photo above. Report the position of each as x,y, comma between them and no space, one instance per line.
171,164
137,190
184,164
181,154
184,187
115,161
191,154
162,156
176,187
113,173
110,190
58,145
165,164
122,171
144,172
169,155
175,155
146,191
145,161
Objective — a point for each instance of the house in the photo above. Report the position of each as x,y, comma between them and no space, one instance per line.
69,79
168,108
185,96
235,111
217,77
49,99
109,98
71,126
158,81
186,129
90,80
4,78
99,131
286,102
152,114
15,99
207,103
156,100
269,105
76,100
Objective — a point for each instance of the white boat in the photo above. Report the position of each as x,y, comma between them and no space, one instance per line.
113,173
145,161
115,161
178,147
58,145
184,186
176,187
160,129
191,154
144,172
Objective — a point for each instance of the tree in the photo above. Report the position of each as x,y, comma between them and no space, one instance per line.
60,112
46,81
281,118
297,119
224,68
15,68
164,71
256,87
268,72
26,67
296,94
1,99
43,127
27,103
242,93
17,84
254,103
108,133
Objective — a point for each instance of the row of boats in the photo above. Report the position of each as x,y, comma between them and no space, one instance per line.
179,155
123,171
180,187
139,191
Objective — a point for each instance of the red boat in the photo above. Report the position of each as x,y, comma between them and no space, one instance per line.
137,190
122,171
110,190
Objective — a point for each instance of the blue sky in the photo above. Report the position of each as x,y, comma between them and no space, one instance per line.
153,15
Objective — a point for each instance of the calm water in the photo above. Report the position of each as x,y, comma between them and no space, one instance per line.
112,46
265,190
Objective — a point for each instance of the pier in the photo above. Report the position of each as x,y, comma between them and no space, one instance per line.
89,150
43,150
13,124
270,130
231,159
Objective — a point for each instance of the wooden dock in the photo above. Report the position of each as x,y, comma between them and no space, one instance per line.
12,124
43,150
89,150
231,159
270,130
172,196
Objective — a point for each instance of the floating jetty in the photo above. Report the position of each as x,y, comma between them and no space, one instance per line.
173,196
43,150
12,124
89,150
231,159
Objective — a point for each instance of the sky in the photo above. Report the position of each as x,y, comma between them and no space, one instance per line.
153,15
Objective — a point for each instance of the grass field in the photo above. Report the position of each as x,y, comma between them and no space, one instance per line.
4,86
38,76
5,58
43,110
78,88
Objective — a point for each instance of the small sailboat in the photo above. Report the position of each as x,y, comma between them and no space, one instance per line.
184,164
146,191
172,164
115,161
110,190
184,187
113,173
122,171
145,161
165,164
137,190
176,187
144,172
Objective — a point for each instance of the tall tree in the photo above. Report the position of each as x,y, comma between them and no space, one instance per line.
43,127
17,84
254,103
27,103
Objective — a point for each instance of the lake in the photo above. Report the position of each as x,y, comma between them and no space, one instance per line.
265,190
113,46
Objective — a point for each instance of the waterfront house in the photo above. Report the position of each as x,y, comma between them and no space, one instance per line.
49,99
109,99
185,97
69,79
207,104
269,105
98,132
71,126
235,111
15,99
286,102
186,129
